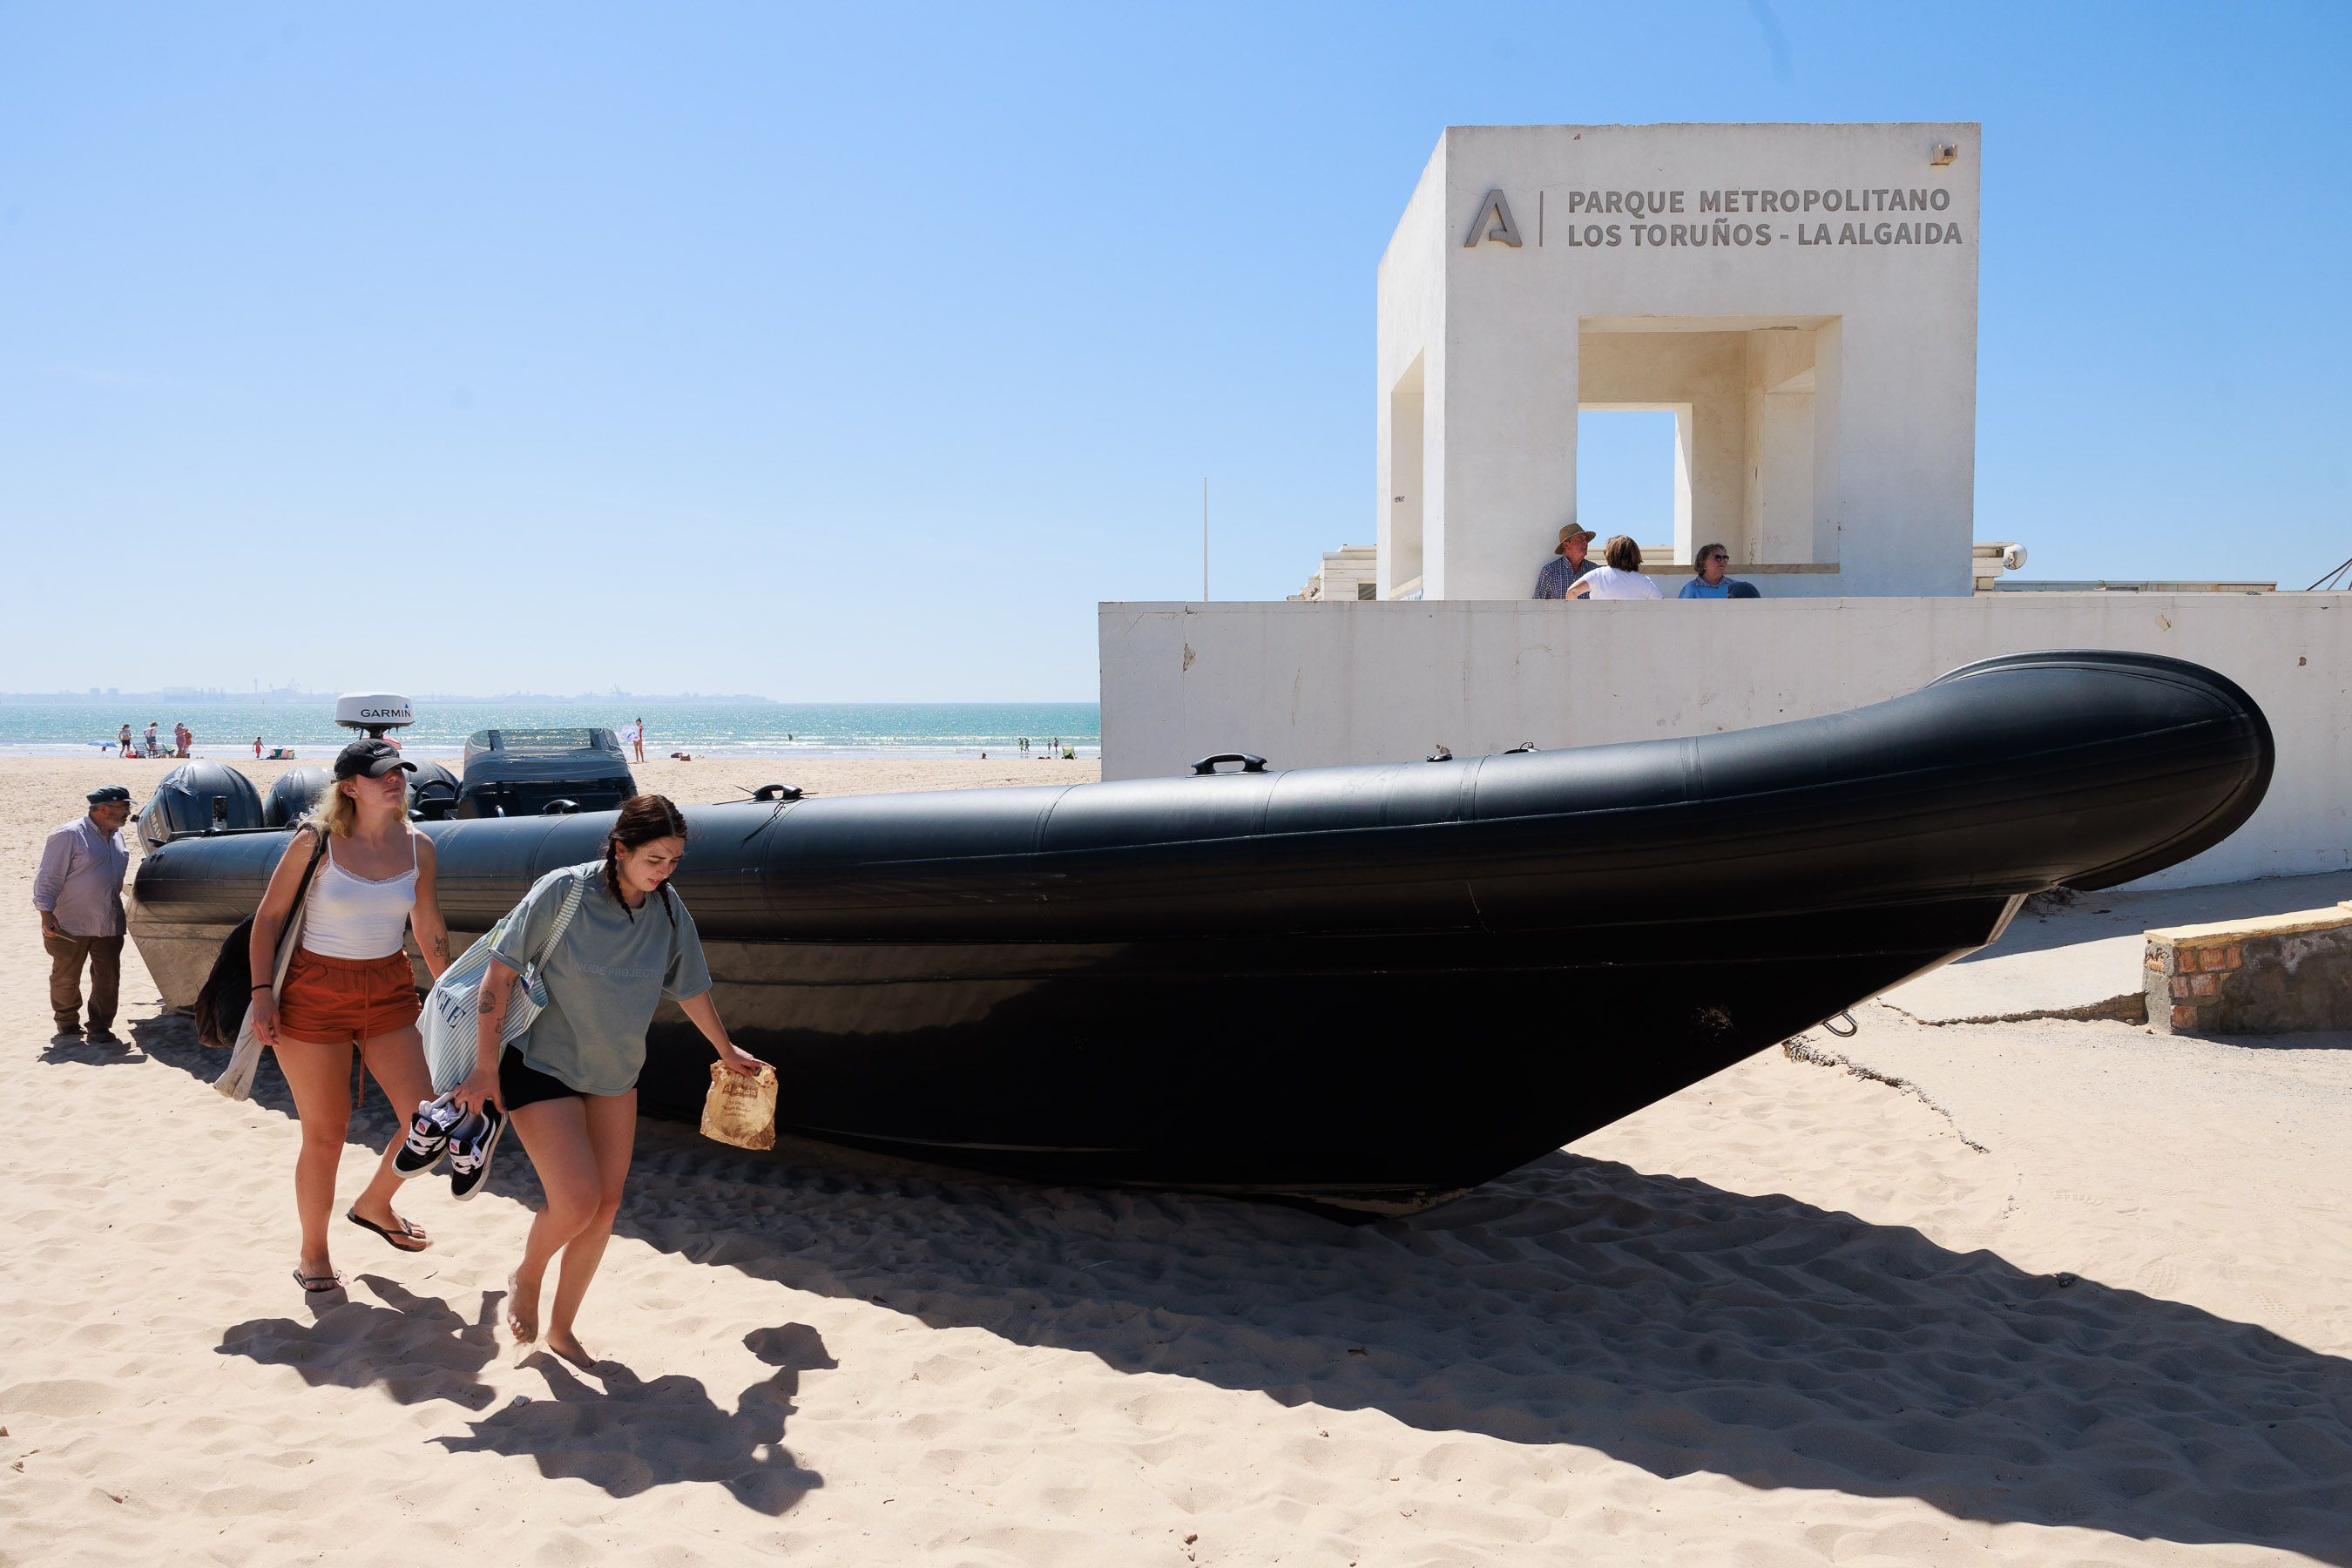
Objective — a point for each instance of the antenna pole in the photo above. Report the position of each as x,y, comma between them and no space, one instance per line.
1204,538
2316,586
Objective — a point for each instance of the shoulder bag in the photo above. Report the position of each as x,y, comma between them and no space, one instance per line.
228,989
235,1080
452,1008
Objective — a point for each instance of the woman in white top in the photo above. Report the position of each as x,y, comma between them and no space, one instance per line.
1621,579
349,985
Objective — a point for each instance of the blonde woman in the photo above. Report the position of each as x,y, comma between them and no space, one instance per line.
349,986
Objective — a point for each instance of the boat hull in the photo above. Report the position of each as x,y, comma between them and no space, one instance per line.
1368,988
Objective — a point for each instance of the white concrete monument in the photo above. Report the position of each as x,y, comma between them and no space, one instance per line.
1803,299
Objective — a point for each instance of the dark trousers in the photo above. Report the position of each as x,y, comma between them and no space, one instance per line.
66,955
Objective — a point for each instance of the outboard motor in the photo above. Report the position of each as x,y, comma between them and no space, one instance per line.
530,773
200,798
295,793
432,792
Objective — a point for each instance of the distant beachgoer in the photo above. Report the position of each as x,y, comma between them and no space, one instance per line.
1567,563
154,744
182,738
124,740
349,984
637,738
1621,579
1707,581
257,748
570,1083
78,891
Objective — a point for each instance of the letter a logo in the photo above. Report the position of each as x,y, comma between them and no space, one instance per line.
1493,222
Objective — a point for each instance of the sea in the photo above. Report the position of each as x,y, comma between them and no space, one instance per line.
718,727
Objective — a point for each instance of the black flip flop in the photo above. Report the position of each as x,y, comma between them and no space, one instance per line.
399,1240
319,1284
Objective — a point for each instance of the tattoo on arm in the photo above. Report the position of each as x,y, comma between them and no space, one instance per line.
441,946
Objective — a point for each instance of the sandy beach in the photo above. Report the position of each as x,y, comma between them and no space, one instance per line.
2049,1292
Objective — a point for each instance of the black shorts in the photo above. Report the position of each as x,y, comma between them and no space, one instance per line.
521,1084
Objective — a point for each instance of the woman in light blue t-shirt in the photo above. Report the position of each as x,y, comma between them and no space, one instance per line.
570,1083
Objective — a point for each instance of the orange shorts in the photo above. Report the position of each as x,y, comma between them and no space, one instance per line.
342,1001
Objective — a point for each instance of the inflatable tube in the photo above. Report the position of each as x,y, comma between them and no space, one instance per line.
1369,986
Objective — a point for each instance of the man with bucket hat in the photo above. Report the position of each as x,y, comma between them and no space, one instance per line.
78,892
1567,564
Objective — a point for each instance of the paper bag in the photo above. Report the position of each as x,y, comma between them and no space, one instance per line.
741,1111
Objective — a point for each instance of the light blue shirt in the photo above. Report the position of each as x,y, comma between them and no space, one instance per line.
80,884
1697,588
612,966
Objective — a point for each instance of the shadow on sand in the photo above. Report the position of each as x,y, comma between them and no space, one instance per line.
121,1052
415,1348
1666,1322
630,1435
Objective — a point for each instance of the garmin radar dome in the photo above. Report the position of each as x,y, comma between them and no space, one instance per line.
374,711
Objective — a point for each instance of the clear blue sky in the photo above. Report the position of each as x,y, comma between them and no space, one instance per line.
855,352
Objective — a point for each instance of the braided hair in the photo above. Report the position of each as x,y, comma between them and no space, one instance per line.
643,819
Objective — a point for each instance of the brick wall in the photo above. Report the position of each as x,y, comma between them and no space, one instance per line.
2282,974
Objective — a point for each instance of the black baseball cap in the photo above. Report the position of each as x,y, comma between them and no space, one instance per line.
369,760
112,794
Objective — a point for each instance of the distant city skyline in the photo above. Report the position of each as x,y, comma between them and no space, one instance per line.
856,355
291,694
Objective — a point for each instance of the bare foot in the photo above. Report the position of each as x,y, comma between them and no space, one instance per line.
522,1309
566,1344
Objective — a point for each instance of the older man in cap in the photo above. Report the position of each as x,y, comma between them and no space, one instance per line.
1567,564
78,890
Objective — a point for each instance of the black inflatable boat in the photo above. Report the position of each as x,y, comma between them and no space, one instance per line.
1370,987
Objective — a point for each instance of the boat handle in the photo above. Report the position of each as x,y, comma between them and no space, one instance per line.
777,792
1851,1029
566,807
1251,762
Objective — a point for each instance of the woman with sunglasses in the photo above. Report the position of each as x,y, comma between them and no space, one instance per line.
348,986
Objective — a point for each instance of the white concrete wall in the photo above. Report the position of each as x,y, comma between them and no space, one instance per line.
1705,373
1409,373
1306,685
1893,486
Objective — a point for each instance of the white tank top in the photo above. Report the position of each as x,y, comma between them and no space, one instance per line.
352,917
